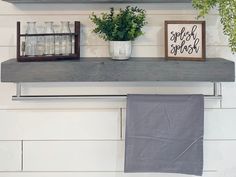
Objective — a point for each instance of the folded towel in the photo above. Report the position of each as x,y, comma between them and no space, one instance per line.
164,133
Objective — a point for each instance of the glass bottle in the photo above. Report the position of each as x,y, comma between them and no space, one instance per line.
66,40
57,45
49,41
57,40
40,45
40,40
31,41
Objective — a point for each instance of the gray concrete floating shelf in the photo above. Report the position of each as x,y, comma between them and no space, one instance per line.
99,1
107,70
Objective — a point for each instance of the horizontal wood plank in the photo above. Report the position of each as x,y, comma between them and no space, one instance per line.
106,70
220,124
10,156
89,124
73,156
229,95
51,125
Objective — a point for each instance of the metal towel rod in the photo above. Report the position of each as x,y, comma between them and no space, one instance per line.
19,97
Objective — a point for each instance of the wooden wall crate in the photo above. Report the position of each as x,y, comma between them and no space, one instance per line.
74,56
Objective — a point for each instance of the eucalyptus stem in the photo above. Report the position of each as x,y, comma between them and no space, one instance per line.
227,12
125,25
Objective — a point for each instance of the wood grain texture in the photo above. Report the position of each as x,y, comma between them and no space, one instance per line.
107,70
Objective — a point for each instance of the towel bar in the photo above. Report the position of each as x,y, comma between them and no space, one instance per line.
19,97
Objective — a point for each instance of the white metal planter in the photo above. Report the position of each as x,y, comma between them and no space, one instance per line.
120,50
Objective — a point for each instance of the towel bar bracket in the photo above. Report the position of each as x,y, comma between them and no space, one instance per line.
217,90
18,90
19,97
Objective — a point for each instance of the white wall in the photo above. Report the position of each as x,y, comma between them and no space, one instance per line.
77,138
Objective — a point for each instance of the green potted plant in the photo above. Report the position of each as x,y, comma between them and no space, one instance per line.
227,12
120,29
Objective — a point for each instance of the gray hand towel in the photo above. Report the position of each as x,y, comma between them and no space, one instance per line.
164,133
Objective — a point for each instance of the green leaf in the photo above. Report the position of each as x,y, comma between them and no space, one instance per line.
125,25
227,11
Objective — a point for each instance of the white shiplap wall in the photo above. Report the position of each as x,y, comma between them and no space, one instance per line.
85,138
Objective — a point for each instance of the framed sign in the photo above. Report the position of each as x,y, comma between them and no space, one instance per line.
185,40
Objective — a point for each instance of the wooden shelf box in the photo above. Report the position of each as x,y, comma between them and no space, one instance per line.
74,56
